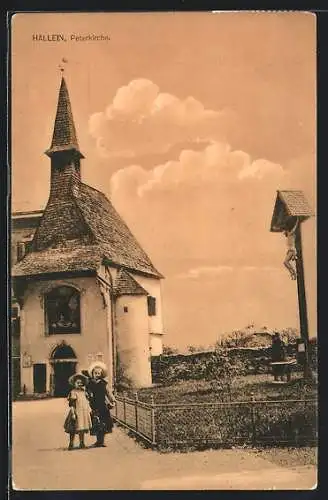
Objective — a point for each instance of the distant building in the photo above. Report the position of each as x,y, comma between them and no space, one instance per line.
83,287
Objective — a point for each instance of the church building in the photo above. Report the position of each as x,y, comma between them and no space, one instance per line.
83,287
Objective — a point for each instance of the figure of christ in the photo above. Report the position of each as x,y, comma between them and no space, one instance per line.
291,254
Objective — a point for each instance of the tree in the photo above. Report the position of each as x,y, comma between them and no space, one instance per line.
236,338
289,335
168,351
223,371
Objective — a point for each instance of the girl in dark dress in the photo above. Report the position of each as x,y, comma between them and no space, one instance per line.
101,400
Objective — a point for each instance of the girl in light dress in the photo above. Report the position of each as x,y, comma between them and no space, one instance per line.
78,420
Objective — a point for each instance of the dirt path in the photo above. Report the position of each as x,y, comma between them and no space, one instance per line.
41,461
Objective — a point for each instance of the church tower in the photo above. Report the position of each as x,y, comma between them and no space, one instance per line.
64,151
86,287
65,181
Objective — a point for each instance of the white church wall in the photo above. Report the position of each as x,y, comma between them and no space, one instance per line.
155,323
156,344
153,287
38,345
133,339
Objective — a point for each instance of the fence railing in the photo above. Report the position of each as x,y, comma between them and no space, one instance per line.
137,416
248,422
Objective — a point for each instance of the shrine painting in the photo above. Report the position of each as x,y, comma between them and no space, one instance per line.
63,310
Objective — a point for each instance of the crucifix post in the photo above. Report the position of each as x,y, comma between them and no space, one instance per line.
302,306
291,206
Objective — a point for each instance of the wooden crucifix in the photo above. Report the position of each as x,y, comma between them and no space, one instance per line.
290,211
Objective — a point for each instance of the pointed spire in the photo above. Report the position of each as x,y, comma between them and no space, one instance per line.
64,135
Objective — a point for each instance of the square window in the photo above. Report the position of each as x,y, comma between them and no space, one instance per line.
125,309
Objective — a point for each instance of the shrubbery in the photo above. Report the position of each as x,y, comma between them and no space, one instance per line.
211,365
252,423
288,422
249,361
222,370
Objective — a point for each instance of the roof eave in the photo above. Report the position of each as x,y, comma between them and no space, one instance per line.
273,227
136,294
32,213
55,274
282,210
155,274
68,147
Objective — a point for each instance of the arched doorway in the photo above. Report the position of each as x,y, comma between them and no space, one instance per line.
64,362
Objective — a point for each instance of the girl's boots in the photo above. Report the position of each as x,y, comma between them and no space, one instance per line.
81,438
100,440
71,441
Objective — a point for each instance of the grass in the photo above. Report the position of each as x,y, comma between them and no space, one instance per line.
277,424
201,391
289,457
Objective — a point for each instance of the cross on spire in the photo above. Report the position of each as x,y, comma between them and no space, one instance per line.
61,65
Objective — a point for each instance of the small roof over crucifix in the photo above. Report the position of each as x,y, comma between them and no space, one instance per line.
289,204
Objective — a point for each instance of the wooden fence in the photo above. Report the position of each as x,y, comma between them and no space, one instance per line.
252,422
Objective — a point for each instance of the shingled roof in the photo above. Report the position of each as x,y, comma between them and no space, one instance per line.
64,134
289,203
296,203
111,233
62,259
79,228
125,284
104,235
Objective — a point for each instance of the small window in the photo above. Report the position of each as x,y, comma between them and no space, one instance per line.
20,250
151,302
23,247
28,246
125,309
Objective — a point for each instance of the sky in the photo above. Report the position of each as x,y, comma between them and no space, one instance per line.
189,123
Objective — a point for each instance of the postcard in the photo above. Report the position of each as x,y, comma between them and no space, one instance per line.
163,251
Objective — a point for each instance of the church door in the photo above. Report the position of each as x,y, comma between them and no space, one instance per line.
64,363
62,372
39,378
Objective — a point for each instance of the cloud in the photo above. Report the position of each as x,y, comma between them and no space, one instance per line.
261,268
206,271
204,213
214,271
207,212
142,120
258,169
216,163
